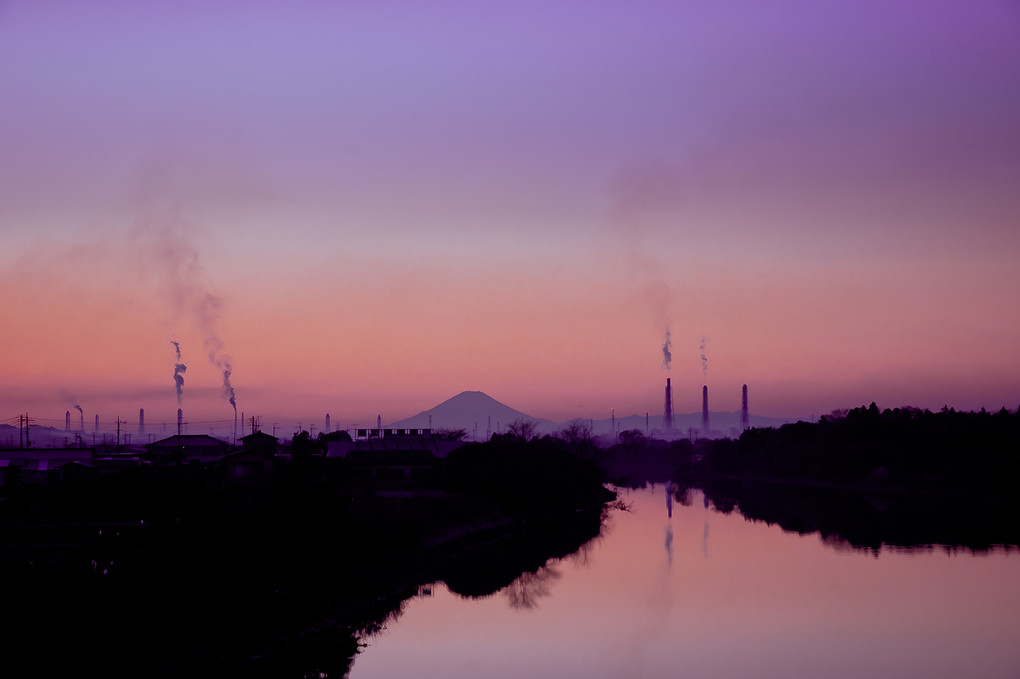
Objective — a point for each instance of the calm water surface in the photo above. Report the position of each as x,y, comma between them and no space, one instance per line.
706,594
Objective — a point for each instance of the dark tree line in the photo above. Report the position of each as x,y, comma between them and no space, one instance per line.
902,447
168,568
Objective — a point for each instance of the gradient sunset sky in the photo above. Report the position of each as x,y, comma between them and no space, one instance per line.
368,207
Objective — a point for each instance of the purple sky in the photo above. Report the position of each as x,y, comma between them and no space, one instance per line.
517,198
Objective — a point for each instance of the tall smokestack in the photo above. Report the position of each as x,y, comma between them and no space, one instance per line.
82,413
704,409
67,421
667,417
327,424
180,420
745,418
141,421
97,423
378,422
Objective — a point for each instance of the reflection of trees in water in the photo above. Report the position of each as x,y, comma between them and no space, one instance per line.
525,591
847,519
378,617
840,543
682,494
669,544
704,540
583,556
530,586
605,519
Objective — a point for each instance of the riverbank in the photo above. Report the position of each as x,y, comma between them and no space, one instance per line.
255,580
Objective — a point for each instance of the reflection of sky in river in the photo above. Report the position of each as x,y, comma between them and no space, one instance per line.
762,603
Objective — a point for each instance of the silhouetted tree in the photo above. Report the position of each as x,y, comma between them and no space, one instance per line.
335,436
444,434
521,429
631,437
579,437
303,448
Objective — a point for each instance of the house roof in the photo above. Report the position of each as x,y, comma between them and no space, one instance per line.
188,441
259,435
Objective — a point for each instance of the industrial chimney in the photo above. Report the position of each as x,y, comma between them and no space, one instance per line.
745,418
141,421
97,424
667,417
704,409
180,420
67,421
327,424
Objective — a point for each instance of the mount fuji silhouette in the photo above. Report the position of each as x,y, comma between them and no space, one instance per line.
477,413
471,411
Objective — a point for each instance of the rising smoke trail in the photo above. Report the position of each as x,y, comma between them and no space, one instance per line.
207,311
667,355
166,229
704,358
179,370
228,390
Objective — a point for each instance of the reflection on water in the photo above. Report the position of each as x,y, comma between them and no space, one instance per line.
669,544
704,537
768,603
525,591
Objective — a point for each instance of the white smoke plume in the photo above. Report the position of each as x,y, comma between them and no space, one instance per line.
185,279
228,390
167,188
704,358
179,370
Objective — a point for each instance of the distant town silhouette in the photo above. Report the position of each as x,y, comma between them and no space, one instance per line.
251,543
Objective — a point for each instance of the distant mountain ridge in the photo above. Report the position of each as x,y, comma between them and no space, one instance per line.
477,413
473,411
39,436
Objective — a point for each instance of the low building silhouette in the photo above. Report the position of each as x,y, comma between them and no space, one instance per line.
258,458
188,449
425,440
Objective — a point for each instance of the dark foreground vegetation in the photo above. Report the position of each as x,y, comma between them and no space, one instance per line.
862,478
872,521
172,570
167,571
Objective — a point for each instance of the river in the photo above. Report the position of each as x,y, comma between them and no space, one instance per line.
689,591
